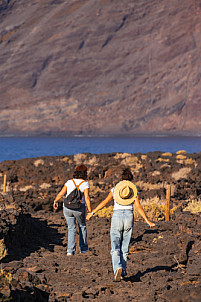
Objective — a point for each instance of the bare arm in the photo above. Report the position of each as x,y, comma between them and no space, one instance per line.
60,194
87,199
141,212
101,205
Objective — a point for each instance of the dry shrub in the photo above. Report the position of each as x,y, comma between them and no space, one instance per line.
165,166
66,159
132,162
79,158
133,249
5,278
181,152
154,211
182,173
190,161
94,189
5,285
92,161
106,212
122,155
180,157
194,206
182,160
26,188
162,159
129,160
3,251
39,162
167,154
45,185
156,173
144,157
148,186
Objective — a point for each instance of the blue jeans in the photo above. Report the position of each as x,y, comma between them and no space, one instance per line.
71,217
120,235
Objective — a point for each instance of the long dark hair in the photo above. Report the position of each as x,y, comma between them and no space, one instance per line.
127,174
80,174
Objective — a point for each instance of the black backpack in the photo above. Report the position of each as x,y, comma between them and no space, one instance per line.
74,200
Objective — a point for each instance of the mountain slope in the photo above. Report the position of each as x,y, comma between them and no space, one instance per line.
100,67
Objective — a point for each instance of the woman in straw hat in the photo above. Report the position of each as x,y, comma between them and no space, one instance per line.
125,195
71,215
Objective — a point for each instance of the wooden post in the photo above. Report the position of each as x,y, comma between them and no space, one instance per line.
167,213
4,184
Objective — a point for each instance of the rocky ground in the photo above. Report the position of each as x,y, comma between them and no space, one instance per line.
164,262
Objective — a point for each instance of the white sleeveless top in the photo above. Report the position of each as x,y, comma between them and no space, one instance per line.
70,186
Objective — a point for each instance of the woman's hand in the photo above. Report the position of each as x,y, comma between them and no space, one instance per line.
100,206
61,193
55,205
89,215
151,224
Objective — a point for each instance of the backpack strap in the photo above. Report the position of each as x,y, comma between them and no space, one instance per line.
77,186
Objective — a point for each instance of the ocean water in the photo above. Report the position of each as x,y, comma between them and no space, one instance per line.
12,148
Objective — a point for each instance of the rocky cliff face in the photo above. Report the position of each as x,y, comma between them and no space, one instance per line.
100,67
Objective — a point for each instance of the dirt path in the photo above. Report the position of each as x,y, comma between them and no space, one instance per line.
158,264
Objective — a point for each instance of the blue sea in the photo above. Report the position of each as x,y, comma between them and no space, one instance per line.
13,148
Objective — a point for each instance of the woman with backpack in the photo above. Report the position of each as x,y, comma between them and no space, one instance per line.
76,191
125,195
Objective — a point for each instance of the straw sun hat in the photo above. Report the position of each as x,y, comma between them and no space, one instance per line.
125,192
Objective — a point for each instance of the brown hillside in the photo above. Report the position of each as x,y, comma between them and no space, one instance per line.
100,67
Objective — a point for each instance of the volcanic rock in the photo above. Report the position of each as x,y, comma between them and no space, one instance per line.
163,263
41,271
35,181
